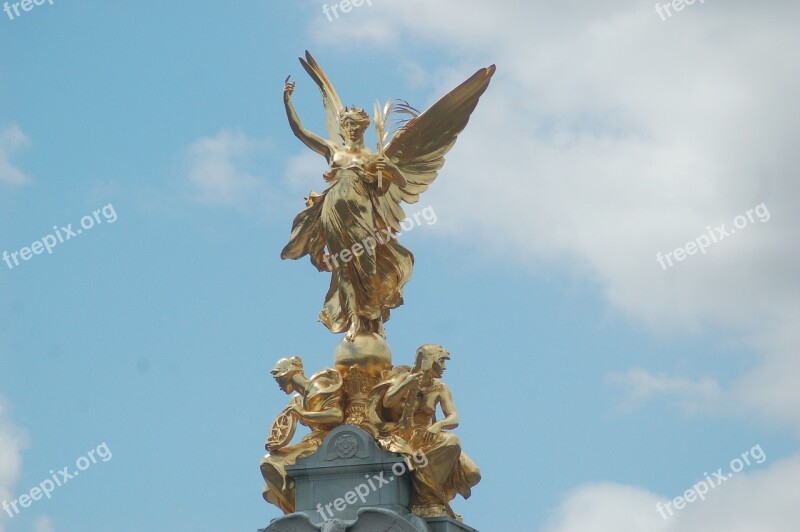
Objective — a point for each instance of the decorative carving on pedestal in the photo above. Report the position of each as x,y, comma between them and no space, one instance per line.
346,445
357,387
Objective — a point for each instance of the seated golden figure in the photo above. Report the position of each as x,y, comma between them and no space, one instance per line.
405,406
318,406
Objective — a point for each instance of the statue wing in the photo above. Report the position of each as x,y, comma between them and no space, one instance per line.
419,147
330,99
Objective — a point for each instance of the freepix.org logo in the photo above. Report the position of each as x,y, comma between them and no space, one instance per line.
716,479
24,5
714,235
57,479
373,484
383,236
59,236
345,6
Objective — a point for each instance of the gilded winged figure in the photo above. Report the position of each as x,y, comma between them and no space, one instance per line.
350,228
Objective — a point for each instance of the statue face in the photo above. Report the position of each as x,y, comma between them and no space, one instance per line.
285,383
439,365
352,130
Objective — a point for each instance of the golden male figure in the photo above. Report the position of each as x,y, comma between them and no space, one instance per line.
349,228
318,406
410,398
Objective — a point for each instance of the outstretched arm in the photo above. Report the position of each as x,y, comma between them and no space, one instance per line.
313,141
329,415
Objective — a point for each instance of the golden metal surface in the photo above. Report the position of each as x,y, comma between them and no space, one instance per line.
345,231
405,405
318,406
398,407
341,228
283,428
369,351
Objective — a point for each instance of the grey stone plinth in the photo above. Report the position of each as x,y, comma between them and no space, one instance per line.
351,484
447,524
368,520
349,472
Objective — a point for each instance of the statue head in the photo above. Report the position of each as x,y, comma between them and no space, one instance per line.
432,358
354,122
284,371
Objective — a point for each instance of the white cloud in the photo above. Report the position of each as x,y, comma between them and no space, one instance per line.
772,387
609,135
43,524
607,507
12,139
692,396
216,169
761,501
12,440
304,172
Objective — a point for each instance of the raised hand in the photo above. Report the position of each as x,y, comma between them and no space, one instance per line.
412,379
288,89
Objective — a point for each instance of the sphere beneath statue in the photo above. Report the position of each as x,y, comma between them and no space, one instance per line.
368,352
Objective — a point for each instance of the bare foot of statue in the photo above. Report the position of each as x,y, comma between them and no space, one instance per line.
355,329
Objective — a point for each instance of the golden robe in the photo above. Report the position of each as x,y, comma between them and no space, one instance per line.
346,218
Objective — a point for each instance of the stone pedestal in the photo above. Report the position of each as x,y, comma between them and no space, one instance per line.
447,524
351,484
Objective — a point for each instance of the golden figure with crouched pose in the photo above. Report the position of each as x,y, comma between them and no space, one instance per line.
318,405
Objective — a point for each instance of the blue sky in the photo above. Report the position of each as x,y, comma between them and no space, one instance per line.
592,383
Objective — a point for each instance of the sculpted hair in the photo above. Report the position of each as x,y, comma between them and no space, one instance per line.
360,116
287,366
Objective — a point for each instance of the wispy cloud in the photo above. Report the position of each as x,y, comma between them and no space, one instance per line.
218,169
43,524
12,440
12,139
692,396
304,172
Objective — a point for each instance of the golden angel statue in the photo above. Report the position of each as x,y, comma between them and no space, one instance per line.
350,228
